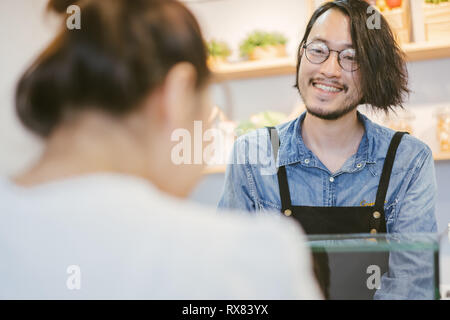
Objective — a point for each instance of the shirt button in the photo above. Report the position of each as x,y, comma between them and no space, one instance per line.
376,215
359,165
287,212
331,179
306,161
373,231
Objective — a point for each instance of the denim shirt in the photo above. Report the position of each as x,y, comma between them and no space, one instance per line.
251,181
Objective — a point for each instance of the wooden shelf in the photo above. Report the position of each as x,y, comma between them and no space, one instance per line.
427,50
284,66
438,156
254,69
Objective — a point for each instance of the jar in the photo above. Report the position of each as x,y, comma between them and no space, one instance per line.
400,121
443,128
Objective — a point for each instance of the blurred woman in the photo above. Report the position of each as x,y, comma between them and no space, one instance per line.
101,214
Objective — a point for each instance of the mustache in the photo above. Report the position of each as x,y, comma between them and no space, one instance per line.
331,82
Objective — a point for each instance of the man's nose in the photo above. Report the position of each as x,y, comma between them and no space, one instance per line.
330,67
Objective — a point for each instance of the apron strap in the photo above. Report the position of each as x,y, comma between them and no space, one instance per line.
285,195
387,169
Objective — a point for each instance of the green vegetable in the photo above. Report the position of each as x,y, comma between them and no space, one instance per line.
218,49
436,1
261,120
260,39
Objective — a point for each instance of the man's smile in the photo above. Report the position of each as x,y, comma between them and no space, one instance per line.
328,85
326,90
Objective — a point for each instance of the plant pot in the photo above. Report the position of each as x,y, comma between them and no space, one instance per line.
214,62
268,52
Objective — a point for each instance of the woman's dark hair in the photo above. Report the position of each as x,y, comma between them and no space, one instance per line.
384,77
123,50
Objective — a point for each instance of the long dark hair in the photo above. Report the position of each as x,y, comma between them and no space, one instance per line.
384,77
123,50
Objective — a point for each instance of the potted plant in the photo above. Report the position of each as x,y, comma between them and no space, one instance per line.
263,45
218,52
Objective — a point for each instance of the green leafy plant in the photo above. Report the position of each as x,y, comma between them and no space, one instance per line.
261,39
218,49
260,120
436,1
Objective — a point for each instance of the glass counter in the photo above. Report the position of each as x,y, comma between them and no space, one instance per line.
444,265
381,266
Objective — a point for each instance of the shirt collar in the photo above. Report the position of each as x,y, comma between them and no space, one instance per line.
293,150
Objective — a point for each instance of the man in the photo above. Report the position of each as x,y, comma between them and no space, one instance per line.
336,171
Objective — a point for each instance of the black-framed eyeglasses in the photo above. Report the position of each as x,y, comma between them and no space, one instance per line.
318,52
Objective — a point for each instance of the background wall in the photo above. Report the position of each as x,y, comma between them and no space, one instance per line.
25,29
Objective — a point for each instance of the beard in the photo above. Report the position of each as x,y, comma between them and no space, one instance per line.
334,115
349,104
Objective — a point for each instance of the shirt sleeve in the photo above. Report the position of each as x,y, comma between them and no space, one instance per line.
238,192
416,211
412,273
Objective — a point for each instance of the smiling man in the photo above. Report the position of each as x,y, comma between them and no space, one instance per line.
332,159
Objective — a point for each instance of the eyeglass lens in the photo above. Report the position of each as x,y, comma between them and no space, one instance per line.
318,52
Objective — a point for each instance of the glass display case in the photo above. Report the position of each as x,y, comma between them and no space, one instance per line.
444,265
381,266
443,128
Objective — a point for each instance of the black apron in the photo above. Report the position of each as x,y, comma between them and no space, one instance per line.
339,220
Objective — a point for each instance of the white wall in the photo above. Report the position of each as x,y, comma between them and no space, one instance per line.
232,20
23,32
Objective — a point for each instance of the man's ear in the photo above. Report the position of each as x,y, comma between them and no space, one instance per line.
178,94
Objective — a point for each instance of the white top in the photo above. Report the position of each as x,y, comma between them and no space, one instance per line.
108,236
